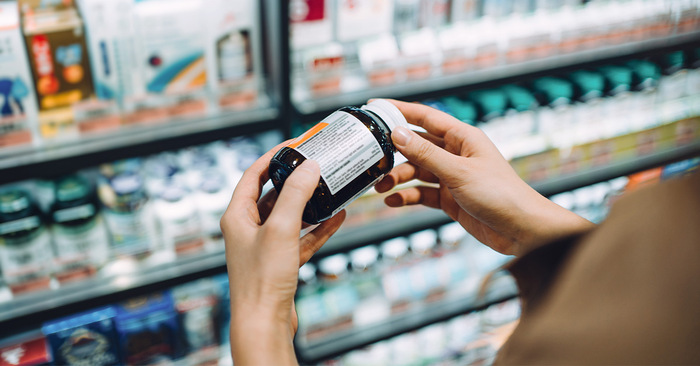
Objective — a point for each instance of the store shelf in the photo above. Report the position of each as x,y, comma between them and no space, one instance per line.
308,104
33,308
379,230
615,169
501,289
424,218
132,141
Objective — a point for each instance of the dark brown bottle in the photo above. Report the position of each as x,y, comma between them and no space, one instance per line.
353,149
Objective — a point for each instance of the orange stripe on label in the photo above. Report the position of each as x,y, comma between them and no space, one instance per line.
307,135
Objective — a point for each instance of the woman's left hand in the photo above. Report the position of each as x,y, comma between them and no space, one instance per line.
263,253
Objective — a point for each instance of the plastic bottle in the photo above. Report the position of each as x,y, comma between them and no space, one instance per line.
178,221
25,244
79,233
128,215
354,150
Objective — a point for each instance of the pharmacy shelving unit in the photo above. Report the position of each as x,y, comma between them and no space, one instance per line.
311,108
27,312
307,104
60,157
500,289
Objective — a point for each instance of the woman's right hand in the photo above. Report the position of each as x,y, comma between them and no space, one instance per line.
476,185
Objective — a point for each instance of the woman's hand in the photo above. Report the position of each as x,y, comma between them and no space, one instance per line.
263,255
476,185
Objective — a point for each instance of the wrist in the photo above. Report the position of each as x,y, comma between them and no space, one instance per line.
548,223
260,336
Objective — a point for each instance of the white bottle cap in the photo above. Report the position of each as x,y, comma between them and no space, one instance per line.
452,233
364,257
388,112
423,241
394,248
307,272
334,265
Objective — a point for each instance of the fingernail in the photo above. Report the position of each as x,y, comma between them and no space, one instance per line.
310,166
401,136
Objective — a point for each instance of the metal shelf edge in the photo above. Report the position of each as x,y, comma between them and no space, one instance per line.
101,286
133,136
502,289
320,103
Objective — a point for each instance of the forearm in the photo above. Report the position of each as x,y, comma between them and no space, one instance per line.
260,338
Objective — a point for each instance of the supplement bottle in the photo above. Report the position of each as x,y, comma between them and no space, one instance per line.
128,215
80,236
353,149
25,244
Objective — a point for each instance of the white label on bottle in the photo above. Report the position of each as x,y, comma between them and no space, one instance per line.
26,223
87,242
74,213
129,232
342,146
26,259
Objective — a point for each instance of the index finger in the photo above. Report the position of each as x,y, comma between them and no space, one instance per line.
436,122
245,196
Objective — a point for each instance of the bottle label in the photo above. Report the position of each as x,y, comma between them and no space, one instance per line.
27,258
74,213
129,232
342,146
26,223
86,243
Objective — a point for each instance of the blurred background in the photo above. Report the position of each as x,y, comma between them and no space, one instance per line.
126,124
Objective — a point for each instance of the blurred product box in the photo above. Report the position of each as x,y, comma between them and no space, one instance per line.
56,44
102,113
148,330
89,338
25,350
18,113
196,305
233,52
310,22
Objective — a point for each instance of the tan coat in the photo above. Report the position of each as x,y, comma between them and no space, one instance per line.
627,292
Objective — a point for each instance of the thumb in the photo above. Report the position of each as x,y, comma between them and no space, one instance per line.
424,153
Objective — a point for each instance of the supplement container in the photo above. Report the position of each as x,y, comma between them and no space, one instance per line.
423,242
25,244
333,268
80,236
364,259
353,149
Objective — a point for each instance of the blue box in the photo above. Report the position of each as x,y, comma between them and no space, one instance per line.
147,329
88,338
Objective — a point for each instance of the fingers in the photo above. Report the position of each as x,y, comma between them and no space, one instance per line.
436,122
426,196
447,132
313,241
438,141
298,189
425,154
244,200
403,173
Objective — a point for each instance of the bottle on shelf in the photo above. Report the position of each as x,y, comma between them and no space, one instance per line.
128,214
26,255
79,233
178,223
